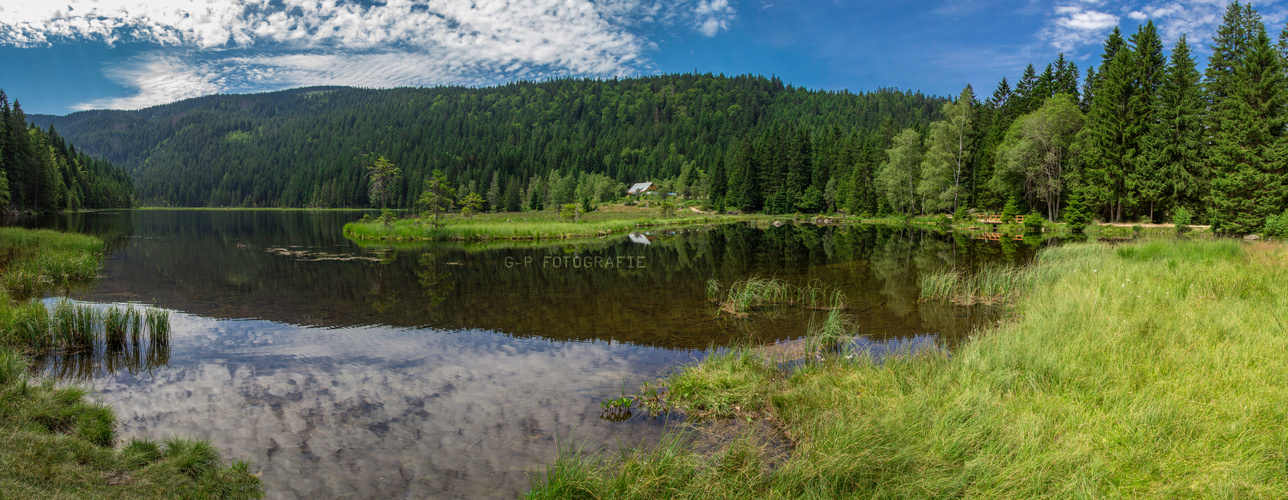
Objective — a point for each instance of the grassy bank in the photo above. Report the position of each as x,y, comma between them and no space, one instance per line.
523,226
54,441
1144,370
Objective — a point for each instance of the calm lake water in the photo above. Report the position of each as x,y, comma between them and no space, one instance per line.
450,370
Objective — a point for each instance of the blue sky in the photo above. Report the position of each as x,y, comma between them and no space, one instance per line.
59,56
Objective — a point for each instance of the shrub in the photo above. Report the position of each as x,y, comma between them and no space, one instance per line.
1011,210
1277,225
1181,218
961,214
1033,223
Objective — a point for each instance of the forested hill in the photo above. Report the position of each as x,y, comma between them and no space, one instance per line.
40,171
311,147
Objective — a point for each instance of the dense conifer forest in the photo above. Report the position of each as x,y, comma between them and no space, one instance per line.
40,171
1142,135
561,139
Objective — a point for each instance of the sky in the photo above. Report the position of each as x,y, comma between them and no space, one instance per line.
62,56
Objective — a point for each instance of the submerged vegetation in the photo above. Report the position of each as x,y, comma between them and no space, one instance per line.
1143,370
54,442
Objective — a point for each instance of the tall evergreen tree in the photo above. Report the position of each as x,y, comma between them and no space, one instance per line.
1175,144
1149,65
1247,156
1026,92
1105,141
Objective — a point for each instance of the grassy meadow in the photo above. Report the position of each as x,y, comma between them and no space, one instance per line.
526,225
55,442
1143,370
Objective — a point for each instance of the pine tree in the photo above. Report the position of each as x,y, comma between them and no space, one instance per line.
1026,93
494,192
717,185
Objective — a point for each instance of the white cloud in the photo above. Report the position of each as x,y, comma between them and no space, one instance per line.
425,42
1075,25
713,16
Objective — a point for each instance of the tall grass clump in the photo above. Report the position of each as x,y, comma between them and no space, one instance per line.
989,285
828,335
158,324
38,260
748,294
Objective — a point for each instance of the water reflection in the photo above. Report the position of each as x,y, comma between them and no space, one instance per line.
131,357
378,412
294,267
449,370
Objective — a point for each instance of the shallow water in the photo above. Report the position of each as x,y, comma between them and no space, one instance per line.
450,370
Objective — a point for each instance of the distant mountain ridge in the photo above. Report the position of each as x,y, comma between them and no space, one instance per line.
311,146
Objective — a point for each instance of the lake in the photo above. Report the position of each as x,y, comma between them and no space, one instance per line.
453,370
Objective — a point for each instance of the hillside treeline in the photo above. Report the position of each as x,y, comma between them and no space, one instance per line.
40,171
312,147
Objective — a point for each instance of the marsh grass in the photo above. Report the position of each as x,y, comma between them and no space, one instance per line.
1141,370
516,226
990,285
34,261
747,295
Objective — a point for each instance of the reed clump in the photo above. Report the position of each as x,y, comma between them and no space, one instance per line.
749,294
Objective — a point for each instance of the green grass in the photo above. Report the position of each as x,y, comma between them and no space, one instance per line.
521,226
32,261
746,295
54,441
1142,370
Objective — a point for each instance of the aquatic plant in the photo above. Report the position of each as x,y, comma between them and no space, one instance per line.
748,294
828,335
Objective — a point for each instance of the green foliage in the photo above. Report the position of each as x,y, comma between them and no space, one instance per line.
630,130
387,217
1034,156
438,196
1277,225
40,171
470,204
1011,210
1181,218
381,176
1075,215
570,211
898,175
1033,222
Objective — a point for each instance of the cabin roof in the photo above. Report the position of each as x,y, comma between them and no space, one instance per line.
640,187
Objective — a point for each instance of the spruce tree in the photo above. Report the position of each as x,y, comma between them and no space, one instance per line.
1175,143
1105,146
1026,93
1149,65
1247,156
